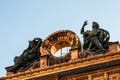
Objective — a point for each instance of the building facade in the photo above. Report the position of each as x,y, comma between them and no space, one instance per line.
75,64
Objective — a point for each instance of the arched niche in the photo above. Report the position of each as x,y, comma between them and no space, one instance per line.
58,40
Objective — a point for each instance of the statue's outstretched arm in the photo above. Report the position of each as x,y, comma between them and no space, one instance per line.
39,42
39,39
82,29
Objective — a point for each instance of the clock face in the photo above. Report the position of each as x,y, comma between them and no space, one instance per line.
59,43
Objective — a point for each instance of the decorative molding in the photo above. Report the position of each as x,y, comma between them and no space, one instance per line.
59,68
58,40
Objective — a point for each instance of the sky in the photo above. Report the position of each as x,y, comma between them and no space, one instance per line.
23,20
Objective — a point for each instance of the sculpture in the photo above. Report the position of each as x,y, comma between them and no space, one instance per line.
28,56
95,39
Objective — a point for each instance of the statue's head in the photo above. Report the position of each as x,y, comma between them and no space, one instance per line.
95,25
32,44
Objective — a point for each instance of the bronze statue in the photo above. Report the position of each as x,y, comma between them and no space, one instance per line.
95,39
28,56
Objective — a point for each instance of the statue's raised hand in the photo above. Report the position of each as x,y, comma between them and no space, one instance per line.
37,39
85,23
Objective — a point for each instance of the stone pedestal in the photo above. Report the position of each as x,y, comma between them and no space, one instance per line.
44,61
44,57
114,47
74,53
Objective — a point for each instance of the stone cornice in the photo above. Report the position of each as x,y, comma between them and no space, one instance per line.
73,64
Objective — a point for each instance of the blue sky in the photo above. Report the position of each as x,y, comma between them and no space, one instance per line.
23,20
